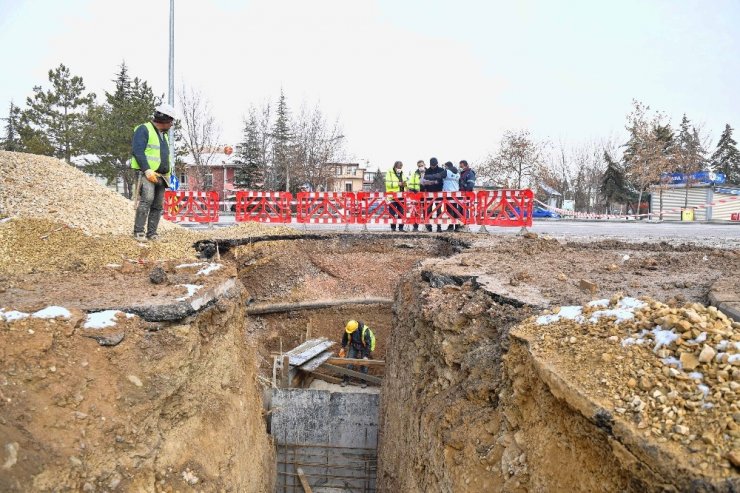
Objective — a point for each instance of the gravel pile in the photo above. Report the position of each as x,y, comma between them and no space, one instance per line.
59,219
674,372
43,187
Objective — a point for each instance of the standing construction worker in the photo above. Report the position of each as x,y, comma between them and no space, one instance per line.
395,184
150,149
361,342
467,184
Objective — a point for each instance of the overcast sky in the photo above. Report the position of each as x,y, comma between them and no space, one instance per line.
407,79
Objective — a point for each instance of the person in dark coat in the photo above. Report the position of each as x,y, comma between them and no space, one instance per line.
433,179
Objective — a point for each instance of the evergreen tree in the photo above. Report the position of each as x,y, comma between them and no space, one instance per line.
250,173
12,140
56,119
131,103
613,186
282,140
726,158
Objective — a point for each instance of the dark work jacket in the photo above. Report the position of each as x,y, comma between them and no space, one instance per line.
356,339
435,174
467,180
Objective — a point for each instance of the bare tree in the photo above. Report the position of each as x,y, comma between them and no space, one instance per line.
517,161
201,134
316,144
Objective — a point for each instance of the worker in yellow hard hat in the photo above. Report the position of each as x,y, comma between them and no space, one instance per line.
358,342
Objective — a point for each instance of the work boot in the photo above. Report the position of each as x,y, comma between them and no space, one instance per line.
393,227
344,383
416,227
429,227
450,227
400,228
439,228
363,385
153,237
139,236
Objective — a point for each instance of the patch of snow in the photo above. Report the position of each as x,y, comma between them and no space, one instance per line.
663,337
192,289
733,358
101,320
566,312
699,339
718,357
671,361
695,375
631,303
12,315
620,314
704,389
212,267
722,345
707,405
604,303
185,266
52,312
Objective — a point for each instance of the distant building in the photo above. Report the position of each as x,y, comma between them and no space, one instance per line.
345,177
218,174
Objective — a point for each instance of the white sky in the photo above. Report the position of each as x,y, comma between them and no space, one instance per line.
407,79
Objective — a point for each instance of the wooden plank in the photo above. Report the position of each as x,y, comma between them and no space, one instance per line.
308,351
304,481
285,372
352,373
359,362
326,378
314,363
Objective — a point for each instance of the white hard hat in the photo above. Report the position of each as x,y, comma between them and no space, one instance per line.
166,110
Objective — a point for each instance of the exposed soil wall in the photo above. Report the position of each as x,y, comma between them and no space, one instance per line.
172,410
465,406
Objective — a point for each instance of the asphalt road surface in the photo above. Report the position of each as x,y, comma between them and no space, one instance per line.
711,234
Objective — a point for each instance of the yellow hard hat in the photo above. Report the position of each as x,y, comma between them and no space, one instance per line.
351,326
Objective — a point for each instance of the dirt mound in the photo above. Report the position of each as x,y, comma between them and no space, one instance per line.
673,373
43,187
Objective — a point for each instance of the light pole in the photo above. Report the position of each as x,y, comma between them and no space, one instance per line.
171,83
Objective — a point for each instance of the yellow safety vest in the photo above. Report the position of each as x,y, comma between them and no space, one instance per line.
392,183
415,181
152,151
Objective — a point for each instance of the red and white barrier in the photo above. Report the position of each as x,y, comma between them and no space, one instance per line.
387,208
264,207
447,208
504,208
326,207
199,207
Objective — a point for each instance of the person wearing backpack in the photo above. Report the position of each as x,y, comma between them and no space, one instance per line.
358,342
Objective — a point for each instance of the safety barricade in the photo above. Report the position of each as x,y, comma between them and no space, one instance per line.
387,208
199,207
264,207
447,208
326,207
504,208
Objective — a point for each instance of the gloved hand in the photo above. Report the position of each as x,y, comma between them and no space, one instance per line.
342,353
151,176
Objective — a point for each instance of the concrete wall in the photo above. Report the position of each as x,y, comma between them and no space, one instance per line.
342,419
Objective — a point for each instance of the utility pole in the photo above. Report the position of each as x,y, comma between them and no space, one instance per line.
171,89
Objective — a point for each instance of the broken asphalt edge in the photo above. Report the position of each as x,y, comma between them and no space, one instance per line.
179,310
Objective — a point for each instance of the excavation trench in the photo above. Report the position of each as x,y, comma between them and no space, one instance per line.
465,404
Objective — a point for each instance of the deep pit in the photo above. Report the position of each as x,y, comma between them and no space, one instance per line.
470,399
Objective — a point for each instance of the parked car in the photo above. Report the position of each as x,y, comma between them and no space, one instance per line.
539,213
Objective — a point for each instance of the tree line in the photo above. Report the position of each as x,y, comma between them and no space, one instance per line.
600,175
280,149
283,148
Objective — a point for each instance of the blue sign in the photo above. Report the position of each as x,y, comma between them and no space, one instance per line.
698,178
174,182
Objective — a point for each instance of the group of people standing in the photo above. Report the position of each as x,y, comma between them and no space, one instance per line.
429,179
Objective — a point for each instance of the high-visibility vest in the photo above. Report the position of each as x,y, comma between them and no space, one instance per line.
153,152
415,182
392,182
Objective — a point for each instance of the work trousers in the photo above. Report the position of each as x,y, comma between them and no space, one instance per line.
354,353
149,210
395,208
